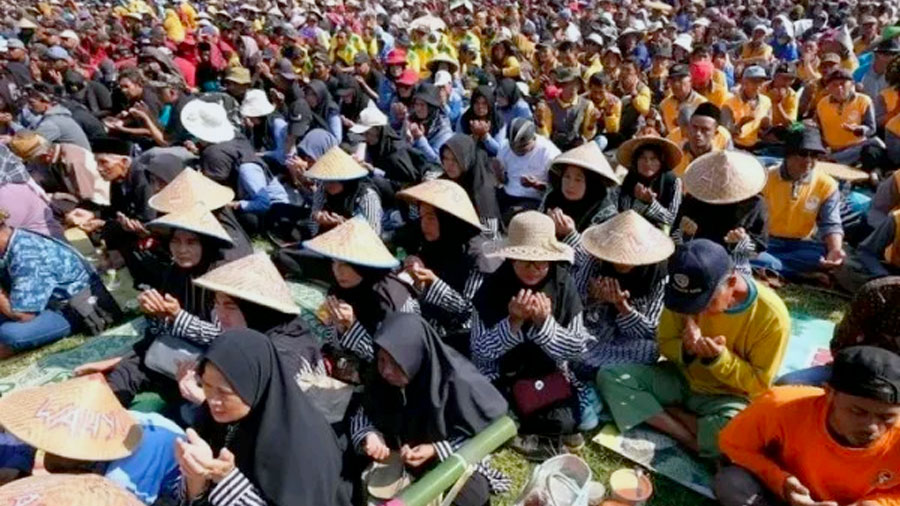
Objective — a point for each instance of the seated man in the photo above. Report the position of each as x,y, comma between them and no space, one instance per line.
748,113
806,445
724,337
701,135
802,201
846,118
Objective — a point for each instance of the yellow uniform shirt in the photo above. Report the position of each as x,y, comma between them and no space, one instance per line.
594,66
613,117
756,335
831,115
850,63
511,67
809,73
643,99
670,106
720,142
763,51
749,133
790,106
716,94
794,208
891,98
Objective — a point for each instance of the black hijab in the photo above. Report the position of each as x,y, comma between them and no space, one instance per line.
289,333
492,116
596,197
379,294
449,256
179,283
446,396
509,90
344,203
284,445
391,154
714,221
477,178
325,106
662,184
348,84
492,299
641,280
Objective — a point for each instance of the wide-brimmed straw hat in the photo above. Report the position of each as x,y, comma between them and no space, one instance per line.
336,165
724,177
189,188
628,239
256,104
207,121
842,172
532,237
197,219
253,278
589,157
353,242
443,58
68,490
671,151
446,196
78,419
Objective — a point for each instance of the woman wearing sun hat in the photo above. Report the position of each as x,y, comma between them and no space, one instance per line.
266,128
650,187
527,326
344,191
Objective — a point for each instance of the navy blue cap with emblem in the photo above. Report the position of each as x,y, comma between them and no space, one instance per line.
695,271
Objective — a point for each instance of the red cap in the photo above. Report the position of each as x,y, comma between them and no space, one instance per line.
409,77
701,72
396,57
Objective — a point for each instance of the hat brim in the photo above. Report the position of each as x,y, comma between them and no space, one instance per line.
167,228
503,249
361,129
250,297
687,304
625,153
256,112
355,260
215,135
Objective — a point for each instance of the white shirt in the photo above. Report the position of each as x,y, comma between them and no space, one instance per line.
535,163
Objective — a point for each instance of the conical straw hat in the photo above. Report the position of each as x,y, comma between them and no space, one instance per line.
673,154
195,219
79,419
532,237
589,157
66,490
627,239
724,177
353,242
842,172
188,188
252,278
446,196
336,165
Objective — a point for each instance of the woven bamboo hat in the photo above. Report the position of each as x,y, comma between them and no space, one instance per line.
189,188
79,419
336,165
671,151
446,196
628,239
842,172
589,157
66,489
197,219
532,237
353,242
253,278
724,177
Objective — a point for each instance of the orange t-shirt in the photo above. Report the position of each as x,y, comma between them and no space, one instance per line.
783,433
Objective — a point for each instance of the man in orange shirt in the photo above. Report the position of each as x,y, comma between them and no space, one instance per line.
807,446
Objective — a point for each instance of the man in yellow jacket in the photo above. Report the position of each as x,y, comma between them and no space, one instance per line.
724,338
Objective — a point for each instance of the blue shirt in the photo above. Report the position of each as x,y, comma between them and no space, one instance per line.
41,270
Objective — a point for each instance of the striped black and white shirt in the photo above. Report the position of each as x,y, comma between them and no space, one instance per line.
367,205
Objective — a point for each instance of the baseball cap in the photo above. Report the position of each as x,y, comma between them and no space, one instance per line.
754,72
867,371
696,269
57,53
838,74
680,70
361,57
830,58
442,78
15,44
68,34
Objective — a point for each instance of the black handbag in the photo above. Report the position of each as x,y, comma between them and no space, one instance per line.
93,309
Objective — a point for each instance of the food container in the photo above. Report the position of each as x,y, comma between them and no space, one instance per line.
596,493
630,486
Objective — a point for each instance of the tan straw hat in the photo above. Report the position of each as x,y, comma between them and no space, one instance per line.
842,172
724,177
253,278
353,242
671,151
532,237
628,239
196,219
189,188
446,196
336,165
589,157
66,489
78,419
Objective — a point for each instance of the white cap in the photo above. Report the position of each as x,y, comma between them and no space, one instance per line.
369,117
442,78
702,22
68,34
596,38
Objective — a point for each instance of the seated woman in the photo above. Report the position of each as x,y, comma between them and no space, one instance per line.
527,325
510,104
723,204
425,402
468,167
650,187
622,281
267,129
428,125
387,151
326,113
365,290
440,259
255,416
482,120
343,191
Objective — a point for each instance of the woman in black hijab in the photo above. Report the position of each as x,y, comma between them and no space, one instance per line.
424,403
260,440
468,167
650,187
352,97
583,189
428,123
387,151
482,121
510,104
325,112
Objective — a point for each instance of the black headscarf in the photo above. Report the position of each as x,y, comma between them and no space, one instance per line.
492,116
662,184
446,396
449,256
344,203
348,84
179,283
508,89
289,333
391,154
492,299
596,196
379,294
284,445
325,106
714,221
477,178
639,281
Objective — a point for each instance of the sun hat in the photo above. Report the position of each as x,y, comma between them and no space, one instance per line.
531,237
15,44
207,121
78,419
188,188
724,177
369,118
830,58
256,104
68,489
659,7
589,157
239,75
253,278
443,58
26,24
626,151
446,196
336,165
353,242
565,75
57,53
628,239
838,74
842,172
68,34
197,219
429,94
695,271
801,139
